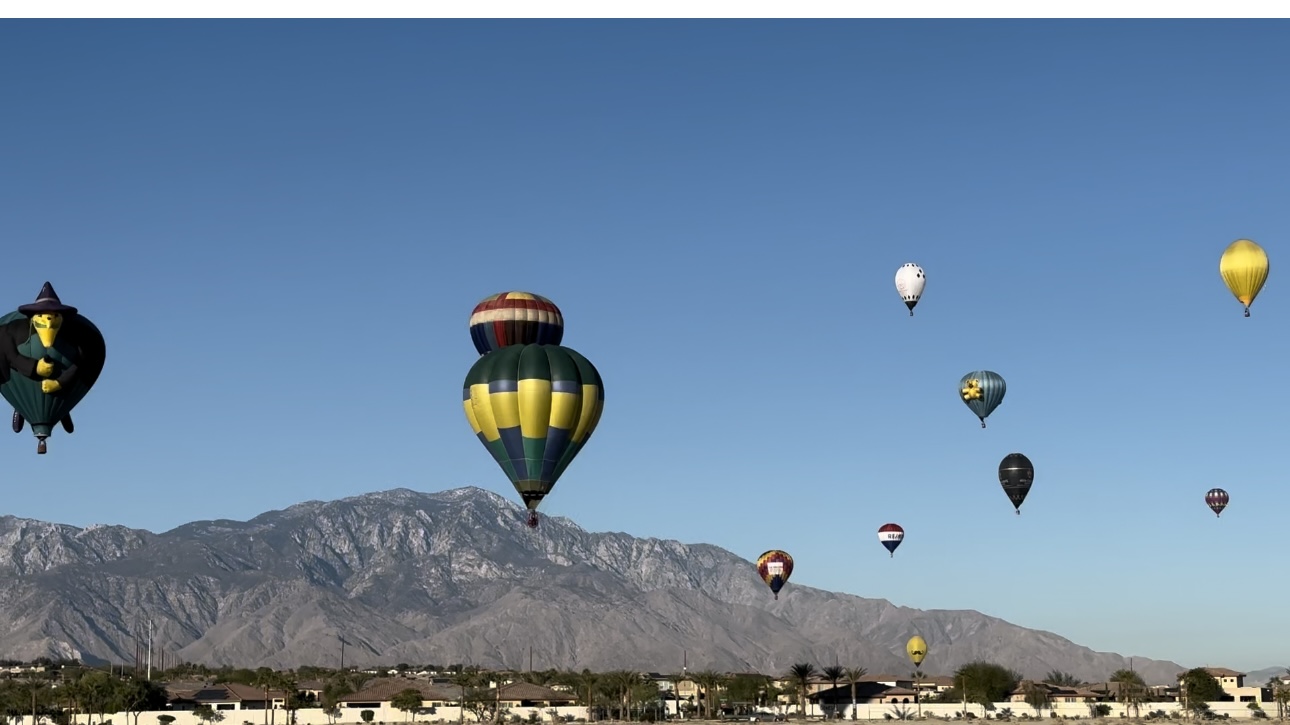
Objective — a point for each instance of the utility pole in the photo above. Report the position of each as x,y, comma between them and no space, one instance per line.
530,658
149,648
341,637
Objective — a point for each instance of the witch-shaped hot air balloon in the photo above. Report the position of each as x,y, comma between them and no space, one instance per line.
910,282
515,318
52,357
982,391
1217,500
533,407
1016,475
1244,268
775,567
891,535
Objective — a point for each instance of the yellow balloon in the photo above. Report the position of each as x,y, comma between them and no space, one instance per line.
916,648
1244,267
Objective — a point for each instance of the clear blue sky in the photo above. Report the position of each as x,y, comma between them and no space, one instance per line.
281,229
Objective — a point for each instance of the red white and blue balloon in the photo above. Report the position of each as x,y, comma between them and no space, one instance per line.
891,535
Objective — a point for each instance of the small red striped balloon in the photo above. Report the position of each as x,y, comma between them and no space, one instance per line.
1217,500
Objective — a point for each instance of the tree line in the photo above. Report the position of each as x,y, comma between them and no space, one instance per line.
618,694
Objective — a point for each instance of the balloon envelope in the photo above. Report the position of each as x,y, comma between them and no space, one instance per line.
78,343
515,318
910,281
533,407
775,567
1016,475
982,391
916,648
1244,268
891,535
1217,500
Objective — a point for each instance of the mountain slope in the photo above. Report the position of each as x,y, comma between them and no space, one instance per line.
455,577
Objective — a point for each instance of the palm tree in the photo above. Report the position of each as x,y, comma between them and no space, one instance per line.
801,675
854,675
464,679
1132,689
834,674
265,679
676,678
708,681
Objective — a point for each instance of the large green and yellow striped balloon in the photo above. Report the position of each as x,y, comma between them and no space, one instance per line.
533,407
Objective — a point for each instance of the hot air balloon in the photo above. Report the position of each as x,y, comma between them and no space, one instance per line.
916,648
515,318
533,407
775,567
1244,267
982,391
53,356
891,535
1217,500
910,281
1016,474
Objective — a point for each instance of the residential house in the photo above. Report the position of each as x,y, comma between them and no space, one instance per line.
929,685
223,696
836,700
1233,684
380,692
1057,694
527,695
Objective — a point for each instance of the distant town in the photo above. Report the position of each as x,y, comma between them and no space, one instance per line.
68,692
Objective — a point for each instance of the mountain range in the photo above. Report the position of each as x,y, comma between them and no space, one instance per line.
455,576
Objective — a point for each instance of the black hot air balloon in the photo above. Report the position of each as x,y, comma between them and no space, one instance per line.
1016,474
1217,500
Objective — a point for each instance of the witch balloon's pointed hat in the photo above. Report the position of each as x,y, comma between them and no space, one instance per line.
47,302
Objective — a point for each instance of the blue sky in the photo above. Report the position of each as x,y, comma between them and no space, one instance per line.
281,229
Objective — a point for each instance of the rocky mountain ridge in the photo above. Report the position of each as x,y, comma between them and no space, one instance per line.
453,576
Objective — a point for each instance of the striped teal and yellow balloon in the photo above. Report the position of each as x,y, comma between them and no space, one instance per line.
533,407
982,391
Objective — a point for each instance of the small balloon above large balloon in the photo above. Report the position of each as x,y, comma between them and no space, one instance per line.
533,407
53,355
916,648
982,391
775,567
1016,475
1244,268
910,281
891,535
515,318
1217,500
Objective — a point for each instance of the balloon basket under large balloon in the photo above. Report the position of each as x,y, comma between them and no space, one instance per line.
983,422
40,446
1247,312
776,596
532,521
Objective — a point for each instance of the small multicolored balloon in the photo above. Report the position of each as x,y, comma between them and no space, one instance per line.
515,318
775,567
